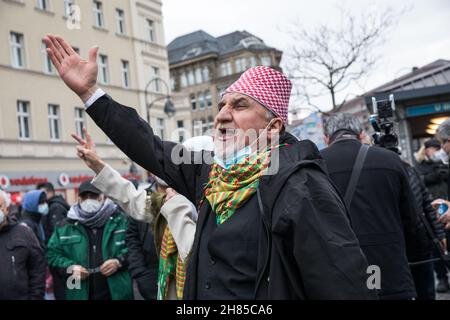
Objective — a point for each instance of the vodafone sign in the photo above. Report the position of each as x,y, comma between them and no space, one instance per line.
4,182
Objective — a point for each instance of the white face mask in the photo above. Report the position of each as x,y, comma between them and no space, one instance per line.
440,156
43,209
2,216
91,205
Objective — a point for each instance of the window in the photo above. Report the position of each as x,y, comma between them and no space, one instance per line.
154,74
180,126
191,78
160,127
204,126
98,14
208,98
120,21
53,121
240,64
43,5
150,30
205,72
23,116
17,50
68,7
193,102
198,75
103,66
225,69
197,127
183,80
210,124
172,83
125,73
79,121
266,61
252,61
201,101
48,66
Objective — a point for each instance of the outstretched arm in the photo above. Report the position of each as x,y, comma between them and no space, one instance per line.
110,182
122,124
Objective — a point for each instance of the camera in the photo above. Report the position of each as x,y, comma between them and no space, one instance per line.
382,122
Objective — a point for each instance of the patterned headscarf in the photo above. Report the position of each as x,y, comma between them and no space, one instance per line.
268,87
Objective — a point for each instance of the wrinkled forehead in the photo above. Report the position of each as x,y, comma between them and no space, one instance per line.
234,97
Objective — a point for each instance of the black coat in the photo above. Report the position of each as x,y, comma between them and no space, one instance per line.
58,208
435,176
23,263
383,213
142,258
307,247
34,222
424,200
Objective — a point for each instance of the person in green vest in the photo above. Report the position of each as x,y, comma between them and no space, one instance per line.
89,247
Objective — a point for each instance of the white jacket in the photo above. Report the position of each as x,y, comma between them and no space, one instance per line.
178,210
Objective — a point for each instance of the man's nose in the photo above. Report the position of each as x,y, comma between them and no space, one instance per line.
224,115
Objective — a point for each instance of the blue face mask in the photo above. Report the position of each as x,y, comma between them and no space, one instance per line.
43,209
237,157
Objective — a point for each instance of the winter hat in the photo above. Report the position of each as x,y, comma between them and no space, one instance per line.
268,87
87,186
432,143
31,200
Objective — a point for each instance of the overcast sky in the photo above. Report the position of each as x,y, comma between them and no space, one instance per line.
421,36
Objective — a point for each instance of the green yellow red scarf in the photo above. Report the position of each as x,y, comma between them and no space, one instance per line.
228,189
171,267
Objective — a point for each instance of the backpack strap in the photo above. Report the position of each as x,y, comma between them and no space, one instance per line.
356,172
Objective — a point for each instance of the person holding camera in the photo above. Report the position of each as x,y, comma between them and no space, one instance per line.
377,193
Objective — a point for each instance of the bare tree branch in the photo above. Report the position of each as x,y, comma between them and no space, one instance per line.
330,58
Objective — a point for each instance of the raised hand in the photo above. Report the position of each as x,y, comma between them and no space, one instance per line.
78,74
86,152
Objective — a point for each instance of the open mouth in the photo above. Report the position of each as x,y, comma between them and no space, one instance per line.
225,133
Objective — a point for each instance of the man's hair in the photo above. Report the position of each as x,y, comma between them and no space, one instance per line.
6,197
47,186
443,131
341,121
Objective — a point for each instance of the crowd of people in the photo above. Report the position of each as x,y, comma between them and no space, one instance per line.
263,216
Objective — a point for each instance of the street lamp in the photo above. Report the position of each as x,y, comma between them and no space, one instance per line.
169,108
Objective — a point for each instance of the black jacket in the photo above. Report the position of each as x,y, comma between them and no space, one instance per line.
34,222
307,248
424,200
142,258
23,264
435,176
58,208
382,211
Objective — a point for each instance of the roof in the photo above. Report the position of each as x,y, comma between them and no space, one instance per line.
430,75
200,43
431,79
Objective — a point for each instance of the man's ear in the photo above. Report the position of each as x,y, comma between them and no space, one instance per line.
362,136
275,128
326,139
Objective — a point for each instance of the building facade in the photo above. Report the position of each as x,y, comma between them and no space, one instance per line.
38,112
202,66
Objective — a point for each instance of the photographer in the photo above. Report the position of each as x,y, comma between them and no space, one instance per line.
381,209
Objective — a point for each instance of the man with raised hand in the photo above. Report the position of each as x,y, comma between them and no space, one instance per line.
283,235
